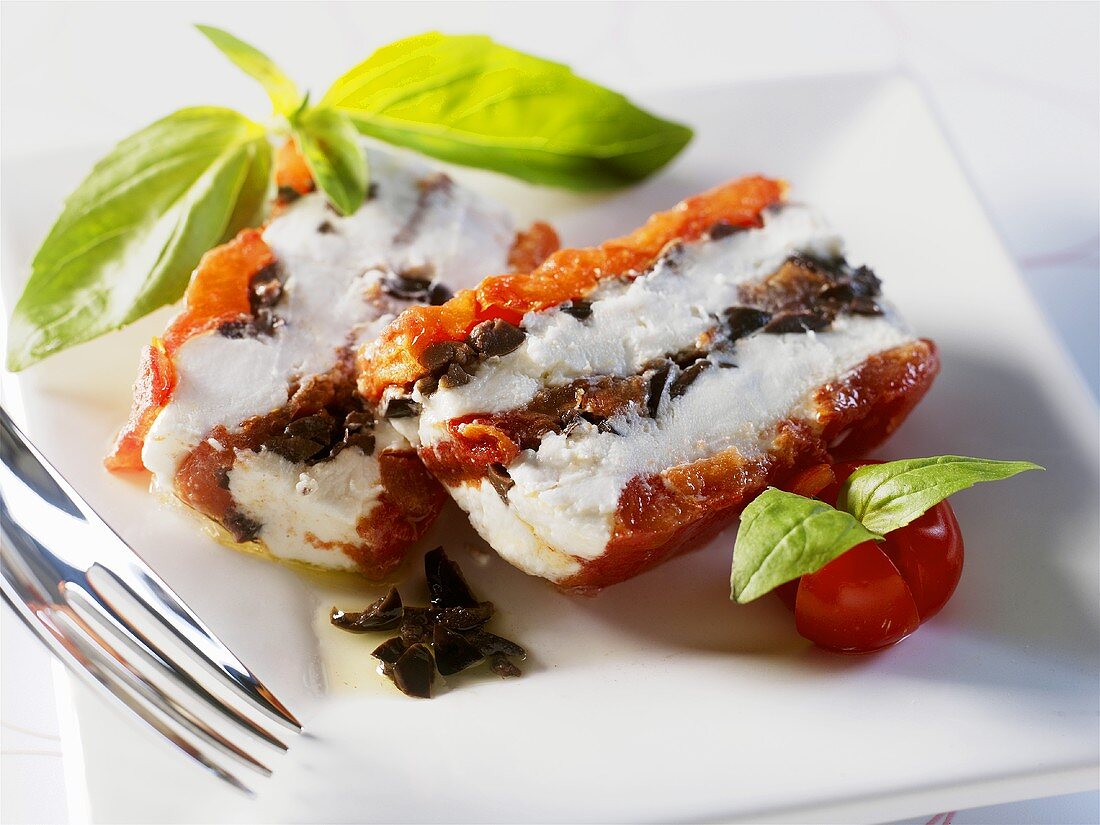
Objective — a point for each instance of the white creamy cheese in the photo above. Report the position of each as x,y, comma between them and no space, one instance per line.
566,493
330,301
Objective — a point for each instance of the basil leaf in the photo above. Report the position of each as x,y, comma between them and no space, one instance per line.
329,143
888,496
783,536
471,101
283,92
131,233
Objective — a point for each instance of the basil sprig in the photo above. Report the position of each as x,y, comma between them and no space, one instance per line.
784,536
129,236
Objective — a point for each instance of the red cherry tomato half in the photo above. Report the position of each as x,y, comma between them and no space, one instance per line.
875,594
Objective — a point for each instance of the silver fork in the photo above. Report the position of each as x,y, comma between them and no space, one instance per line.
76,585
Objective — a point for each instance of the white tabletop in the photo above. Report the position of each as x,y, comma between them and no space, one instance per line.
1016,86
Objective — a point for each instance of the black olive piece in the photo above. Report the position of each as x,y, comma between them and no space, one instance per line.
455,376
504,667
372,191
288,194
465,618
686,378
499,478
406,286
357,420
364,441
452,652
326,228
416,625
866,283
723,229
265,322
446,585
439,294
496,337
672,256
578,309
317,427
390,650
401,408
606,426
841,293
437,356
787,322
864,306
236,329
293,448
414,672
382,614
742,321
490,644
426,385
241,526
655,388
265,287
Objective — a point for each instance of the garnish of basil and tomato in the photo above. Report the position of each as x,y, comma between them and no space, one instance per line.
863,552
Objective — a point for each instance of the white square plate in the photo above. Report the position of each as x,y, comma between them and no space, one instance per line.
659,699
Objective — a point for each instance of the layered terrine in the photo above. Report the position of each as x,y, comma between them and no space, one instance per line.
625,401
246,410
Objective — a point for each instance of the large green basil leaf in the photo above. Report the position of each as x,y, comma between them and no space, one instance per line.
331,146
887,496
783,536
471,101
132,232
284,94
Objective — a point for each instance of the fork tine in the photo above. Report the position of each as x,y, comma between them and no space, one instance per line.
94,599
145,586
95,647
90,673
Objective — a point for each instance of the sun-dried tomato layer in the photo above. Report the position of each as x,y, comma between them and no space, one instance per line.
566,275
661,515
218,292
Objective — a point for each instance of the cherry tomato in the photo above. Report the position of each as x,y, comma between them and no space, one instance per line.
875,594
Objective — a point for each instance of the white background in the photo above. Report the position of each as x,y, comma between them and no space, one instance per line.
1016,86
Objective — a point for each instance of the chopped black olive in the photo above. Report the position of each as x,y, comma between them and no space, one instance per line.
288,194
372,191
570,420
786,322
241,526
407,286
266,322
655,388
496,337
401,408
866,283
465,618
437,356
452,652
439,294
326,228
579,309
742,321
455,376
364,441
317,427
606,426
416,625
499,478
265,288
504,667
446,585
838,293
686,378
357,420
390,650
864,306
490,644
382,614
293,448
236,329
426,385
414,672
723,229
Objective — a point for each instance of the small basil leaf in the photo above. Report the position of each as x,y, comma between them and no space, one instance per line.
471,101
887,496
783,536
329,143
132,232
283,92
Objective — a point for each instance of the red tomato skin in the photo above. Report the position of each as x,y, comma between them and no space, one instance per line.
856,603
928,552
